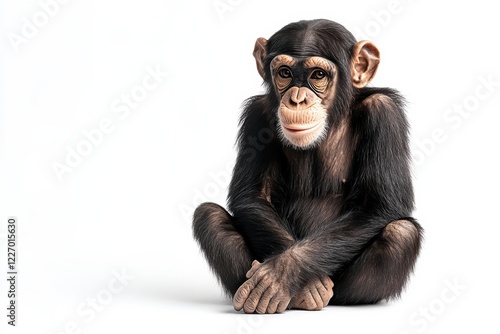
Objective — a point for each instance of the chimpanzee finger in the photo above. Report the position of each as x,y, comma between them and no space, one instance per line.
327,282
317,298
264,301
255,265
325,292
273,305
242,294
283,304
254,297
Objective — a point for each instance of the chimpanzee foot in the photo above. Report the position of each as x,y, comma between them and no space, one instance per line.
315,295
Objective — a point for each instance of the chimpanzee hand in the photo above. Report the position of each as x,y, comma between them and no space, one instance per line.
266,290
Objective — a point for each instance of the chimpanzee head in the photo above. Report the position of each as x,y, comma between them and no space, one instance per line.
311,70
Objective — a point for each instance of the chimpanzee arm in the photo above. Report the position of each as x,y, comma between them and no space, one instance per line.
254,216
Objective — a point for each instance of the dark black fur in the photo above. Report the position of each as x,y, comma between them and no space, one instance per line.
340,226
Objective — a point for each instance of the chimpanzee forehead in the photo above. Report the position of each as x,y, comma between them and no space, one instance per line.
305,62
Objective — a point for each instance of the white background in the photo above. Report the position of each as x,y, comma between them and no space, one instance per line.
126,206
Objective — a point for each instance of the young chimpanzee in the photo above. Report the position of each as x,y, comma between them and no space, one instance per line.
327,200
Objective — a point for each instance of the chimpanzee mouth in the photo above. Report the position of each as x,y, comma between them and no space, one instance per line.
301,128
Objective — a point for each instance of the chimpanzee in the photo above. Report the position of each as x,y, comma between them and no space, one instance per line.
328,198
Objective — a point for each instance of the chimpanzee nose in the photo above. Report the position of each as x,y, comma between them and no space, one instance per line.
297,98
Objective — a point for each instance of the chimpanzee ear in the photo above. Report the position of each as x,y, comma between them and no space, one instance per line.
364,63
260,53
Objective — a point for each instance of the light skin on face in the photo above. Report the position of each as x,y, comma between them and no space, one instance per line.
306,88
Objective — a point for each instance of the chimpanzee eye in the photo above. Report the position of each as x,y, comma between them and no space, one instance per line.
285,72
318,75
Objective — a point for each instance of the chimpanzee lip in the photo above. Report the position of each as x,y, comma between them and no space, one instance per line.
297,128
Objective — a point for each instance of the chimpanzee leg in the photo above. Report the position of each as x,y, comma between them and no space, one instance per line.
382,270
224,248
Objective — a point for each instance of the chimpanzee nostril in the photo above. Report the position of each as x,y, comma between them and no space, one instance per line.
298,96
